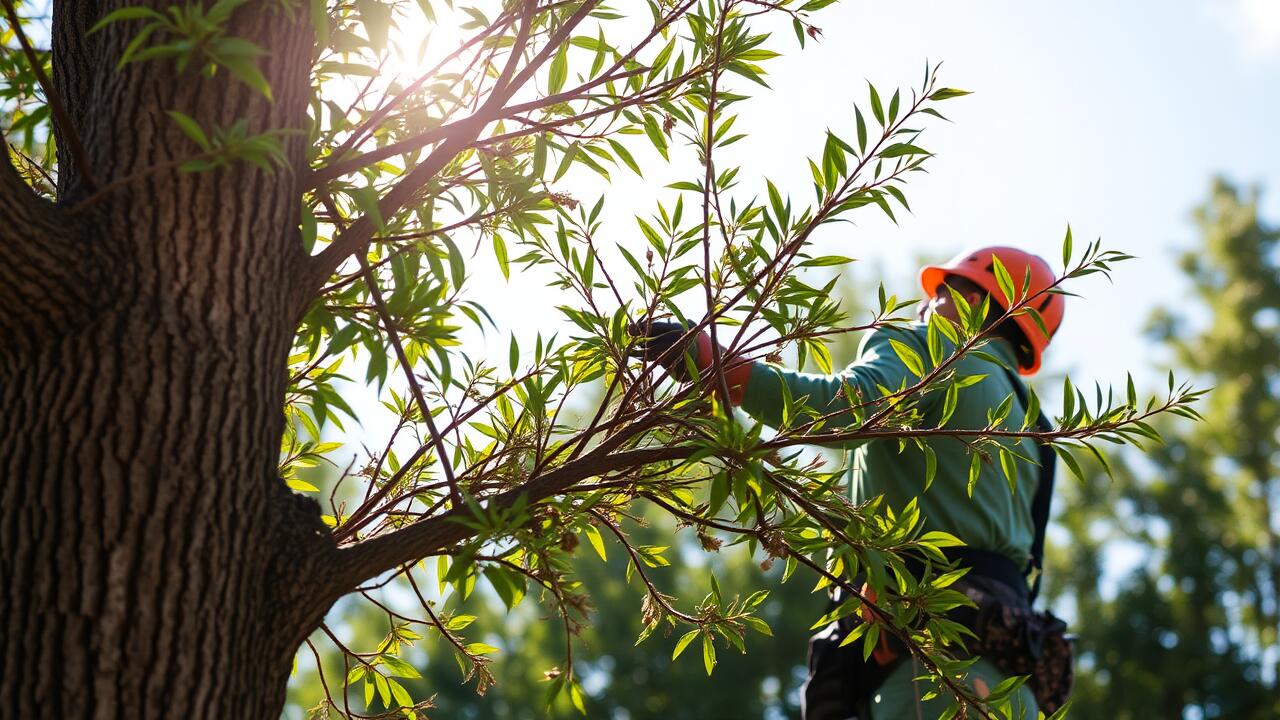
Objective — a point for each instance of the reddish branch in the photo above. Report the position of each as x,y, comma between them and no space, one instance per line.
461,135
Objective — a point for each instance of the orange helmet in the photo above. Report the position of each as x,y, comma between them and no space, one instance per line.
977,267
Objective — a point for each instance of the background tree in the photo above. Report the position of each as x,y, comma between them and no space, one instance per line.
1191,631
215,209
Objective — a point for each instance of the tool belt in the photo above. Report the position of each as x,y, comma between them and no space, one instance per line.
1015,638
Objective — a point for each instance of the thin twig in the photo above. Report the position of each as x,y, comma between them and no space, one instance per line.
393,335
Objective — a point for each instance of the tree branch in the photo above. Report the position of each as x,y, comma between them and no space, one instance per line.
394,336
426,537
460,136
46,278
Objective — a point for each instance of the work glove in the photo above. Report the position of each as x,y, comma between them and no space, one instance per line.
661,341
657,343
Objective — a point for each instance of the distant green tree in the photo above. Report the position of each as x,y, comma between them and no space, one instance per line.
1192,631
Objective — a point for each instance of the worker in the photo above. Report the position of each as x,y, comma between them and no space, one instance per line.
1002,528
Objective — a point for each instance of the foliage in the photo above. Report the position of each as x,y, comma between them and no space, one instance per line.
1191,630
620,679
493,476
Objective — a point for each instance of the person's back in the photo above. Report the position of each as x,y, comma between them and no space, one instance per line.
986,515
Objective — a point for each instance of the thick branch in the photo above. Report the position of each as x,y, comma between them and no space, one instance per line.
427,537
46,277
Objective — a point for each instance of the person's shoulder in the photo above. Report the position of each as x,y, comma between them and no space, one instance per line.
913,333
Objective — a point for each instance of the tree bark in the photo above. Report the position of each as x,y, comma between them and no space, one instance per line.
154,565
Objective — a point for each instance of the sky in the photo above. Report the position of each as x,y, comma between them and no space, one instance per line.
1108,116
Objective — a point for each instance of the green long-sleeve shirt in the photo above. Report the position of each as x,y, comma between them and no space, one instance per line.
994,518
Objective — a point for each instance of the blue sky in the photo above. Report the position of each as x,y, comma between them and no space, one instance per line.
1109,115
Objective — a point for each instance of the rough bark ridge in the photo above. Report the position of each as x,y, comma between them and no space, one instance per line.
153,562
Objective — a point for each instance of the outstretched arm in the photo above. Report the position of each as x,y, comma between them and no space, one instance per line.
876,367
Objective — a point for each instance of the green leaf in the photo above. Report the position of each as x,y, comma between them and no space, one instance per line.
400,668
246,70
862,130
402,696
876,108
776,203
975,467
1004,280
366,198
190,128
930,466
500,252
949,402
625,155
683,643
758,625
656,135
559,70
948,93
319,10
597,542
126,13
308,229
376,18
909,357
459,622
826,260
1070,462
901,149
1010,469
708,653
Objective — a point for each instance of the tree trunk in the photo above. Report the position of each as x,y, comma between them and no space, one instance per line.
154,565
141,532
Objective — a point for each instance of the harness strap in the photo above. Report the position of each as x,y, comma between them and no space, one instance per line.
1044,492
983,563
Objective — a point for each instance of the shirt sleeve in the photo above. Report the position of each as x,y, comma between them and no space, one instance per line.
877,365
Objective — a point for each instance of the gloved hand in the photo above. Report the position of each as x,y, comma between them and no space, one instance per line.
658,343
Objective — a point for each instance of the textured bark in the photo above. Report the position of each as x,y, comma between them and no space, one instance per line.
153,563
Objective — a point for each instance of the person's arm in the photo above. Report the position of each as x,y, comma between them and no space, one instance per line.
877,366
